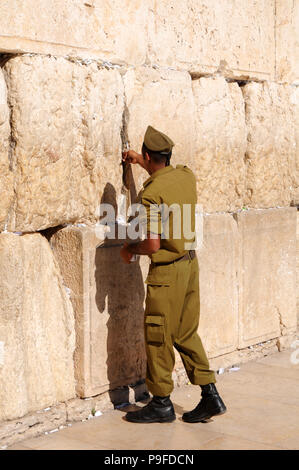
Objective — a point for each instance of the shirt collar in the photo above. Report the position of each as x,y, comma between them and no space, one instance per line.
157,173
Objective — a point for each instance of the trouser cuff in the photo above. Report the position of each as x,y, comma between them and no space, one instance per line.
210,379
159,390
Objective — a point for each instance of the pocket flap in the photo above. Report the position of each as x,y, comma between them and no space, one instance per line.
158,276
154,319
157,282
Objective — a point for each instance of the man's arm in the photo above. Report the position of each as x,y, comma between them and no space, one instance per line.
152,243
148,246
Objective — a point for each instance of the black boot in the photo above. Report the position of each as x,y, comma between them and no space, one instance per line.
158,410
210,405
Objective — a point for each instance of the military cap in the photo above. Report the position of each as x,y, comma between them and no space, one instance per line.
156,141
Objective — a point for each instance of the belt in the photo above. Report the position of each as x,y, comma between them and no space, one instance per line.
190,255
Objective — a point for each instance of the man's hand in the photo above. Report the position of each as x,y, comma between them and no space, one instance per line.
125,254
131,156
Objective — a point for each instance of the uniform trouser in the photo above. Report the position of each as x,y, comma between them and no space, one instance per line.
171,320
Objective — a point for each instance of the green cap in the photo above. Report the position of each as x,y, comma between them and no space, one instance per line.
157,141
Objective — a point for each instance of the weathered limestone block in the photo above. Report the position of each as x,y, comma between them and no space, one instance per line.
236,37
267,282
287,44
220,143
163,99
297,258
271,149
36,328
219,265
107,297
114,30
32,425
66,121
6,179
295,175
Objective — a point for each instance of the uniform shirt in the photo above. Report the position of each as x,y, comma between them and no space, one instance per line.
169,198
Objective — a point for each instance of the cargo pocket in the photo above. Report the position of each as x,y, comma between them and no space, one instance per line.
159,276
154,329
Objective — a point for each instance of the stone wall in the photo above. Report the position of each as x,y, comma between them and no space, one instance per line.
77,79
36,328
242,38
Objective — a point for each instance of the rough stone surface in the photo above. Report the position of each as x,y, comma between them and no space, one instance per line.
32,425
36,328
287,44
267,283
66,121
87,29
297,272
6,180
220,144
219,265
204,36
107,297
271,149
163,99
295,176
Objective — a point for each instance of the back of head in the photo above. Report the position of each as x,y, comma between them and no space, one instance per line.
157,145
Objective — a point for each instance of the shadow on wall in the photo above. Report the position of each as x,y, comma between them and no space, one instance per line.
120,292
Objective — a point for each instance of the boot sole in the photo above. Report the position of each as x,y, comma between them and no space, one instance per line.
167,419
202,420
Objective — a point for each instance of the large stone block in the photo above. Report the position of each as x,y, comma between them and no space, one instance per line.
236,37
163,99
66,121
271,149
114,30
36,328
6,179
107,297
267,282
286,41
219,266
203,36
220,143
297,272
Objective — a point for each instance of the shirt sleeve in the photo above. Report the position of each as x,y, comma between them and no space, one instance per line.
150,216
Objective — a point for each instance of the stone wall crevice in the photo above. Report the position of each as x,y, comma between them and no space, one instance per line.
6,170
10,219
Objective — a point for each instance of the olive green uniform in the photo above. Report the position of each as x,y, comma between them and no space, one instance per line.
172,301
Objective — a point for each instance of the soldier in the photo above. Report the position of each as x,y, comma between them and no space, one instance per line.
172,301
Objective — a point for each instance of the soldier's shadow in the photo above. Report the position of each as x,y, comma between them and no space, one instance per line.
120,293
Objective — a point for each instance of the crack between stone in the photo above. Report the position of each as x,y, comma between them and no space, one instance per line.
282,326
241,81
275,39
105,64
125,141
12,145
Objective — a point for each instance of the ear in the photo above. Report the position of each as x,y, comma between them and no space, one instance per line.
147,157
